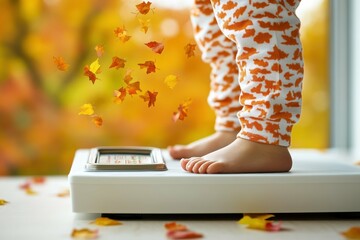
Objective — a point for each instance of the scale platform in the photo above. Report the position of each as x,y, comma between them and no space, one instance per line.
317,183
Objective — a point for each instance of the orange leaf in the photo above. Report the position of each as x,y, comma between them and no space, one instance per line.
128,77
182,111
155,46
38,179
92,76
97,120
117,63
119,95
352,233
149,65
99,50
104,221
174,226
121,34
133,88
60,63
85,233
3,202
64,193
144,7
190,50
150,97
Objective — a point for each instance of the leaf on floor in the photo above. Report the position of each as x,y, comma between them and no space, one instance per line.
3,202
352,233
104,221
260,222
84,233
64,193
180,231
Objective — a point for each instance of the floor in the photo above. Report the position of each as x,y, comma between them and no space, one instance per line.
41,209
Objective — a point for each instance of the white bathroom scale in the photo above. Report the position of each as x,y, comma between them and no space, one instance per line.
103,181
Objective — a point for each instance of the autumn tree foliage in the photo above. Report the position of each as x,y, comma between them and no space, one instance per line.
135,63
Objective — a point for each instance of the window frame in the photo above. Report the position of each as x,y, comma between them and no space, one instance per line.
344,86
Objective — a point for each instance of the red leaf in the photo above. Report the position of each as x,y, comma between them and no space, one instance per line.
150,97
117,63
92,76
155,46
185,234
144,7
149,65
120,95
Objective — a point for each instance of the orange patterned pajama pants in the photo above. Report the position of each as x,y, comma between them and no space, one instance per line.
254,50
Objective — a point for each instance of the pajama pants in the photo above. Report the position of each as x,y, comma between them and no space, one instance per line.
255,54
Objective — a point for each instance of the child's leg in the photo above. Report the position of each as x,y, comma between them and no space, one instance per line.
271,70
220,52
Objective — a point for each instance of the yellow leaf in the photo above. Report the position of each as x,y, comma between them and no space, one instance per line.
258,222
171,81
30,191
3,202
85,233
94,66
86,109
104,221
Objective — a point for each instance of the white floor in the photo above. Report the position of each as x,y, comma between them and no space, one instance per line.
47,216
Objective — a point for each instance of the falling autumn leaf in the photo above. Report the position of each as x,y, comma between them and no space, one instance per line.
190,50
144,25
149,65
182,111
95,66
121,34
92,76
133,88
155,46
117,63
60,63
99,50
85,233
104,221
127,76
143,7
352,233
150,97
260,222
86,109
97,120
171,81
119,95
3,202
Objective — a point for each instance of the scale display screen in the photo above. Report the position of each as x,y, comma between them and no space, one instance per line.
125,158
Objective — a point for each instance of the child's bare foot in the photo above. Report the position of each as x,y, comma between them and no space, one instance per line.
202,146
241,156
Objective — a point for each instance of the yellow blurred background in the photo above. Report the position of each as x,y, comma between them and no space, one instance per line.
40,128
